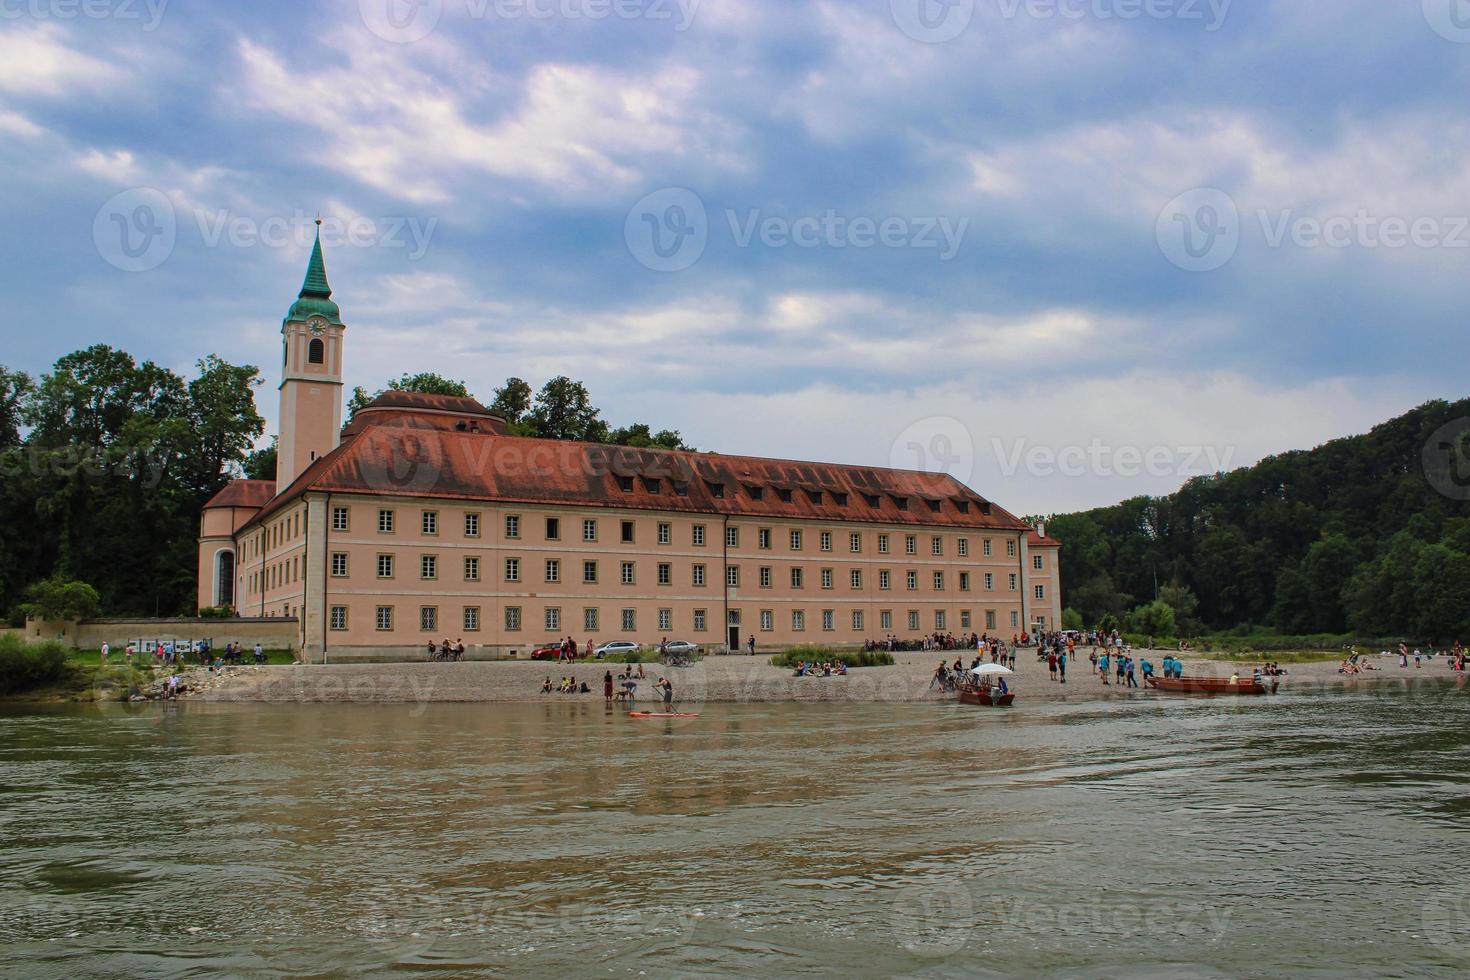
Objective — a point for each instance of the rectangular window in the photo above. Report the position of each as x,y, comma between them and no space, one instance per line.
732,537
471,569
857,619
963,547
1011,549
553,529
795,540
940,620
701,621
855,578
431,522
699,535
885,578
1037,563
385,566
1041,592
589,530
513,619
985,547
339,618
665,619
990,619
1015,619
989,581
763,539
383,618
339,564
936,546
826,578
964,581
589,620
698,574
882,544
512,526
665,573
627,532
938,581
471,619
512,569
768,620
798,620
732,576
912,580
472,527
885,619
589,572
964,619
796,578
626,572
429,566
385,522
553,570
824,540
630,620
339,519
829,620
765,577
910,545
665,534
428,619
553,619
913,619
855,543
1012,580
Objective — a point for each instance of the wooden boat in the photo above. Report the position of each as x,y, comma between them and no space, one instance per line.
985,697
663,714
1213,685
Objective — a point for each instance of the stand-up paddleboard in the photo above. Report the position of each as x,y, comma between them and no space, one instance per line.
663,714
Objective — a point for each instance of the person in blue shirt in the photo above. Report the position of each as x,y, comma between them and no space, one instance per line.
1169,665
1147,668
1102,667
1178,667
1062,665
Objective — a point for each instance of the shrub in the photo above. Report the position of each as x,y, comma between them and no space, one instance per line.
217,612
853,658
24,666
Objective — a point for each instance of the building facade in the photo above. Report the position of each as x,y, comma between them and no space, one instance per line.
424,519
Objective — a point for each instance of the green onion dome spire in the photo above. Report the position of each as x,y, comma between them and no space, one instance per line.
315,298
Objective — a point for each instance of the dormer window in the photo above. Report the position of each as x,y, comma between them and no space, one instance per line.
872,499
651,485
902,503
784,494
985,509
316,351
840,499
815,496
933,505
717,490
755,493
681,488
625,483
963,505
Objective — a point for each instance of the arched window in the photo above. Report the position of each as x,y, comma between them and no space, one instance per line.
224,589
316,352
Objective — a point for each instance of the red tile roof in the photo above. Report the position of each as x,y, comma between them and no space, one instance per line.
1035,540
398,455
253,494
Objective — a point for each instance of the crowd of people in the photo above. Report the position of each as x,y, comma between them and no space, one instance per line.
828,668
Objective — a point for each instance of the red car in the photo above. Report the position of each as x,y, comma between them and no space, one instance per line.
550,651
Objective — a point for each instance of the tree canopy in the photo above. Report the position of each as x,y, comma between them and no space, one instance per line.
1367,534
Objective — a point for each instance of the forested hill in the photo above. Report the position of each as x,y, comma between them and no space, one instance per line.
1369,534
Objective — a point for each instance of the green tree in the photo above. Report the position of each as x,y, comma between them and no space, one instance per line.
1072,620
260,464
1155,619
641,436
15,387
563,410
61,598
1185,603
512,400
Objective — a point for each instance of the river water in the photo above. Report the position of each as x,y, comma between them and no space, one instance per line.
1303,835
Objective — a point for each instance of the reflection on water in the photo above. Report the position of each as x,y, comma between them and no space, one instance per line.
1309,835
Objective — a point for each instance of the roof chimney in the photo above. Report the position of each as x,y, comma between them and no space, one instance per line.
1041,528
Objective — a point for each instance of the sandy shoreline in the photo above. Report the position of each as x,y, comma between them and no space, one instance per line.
735,679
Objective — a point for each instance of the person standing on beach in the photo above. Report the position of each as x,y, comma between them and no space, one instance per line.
105,650
1062,667
1102,668
1051,665
607,687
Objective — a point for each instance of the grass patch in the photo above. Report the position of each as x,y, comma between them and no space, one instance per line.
853,658
119,657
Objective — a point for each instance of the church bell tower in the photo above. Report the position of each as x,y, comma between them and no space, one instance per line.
311,375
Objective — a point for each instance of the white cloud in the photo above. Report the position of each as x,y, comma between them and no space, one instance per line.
37,61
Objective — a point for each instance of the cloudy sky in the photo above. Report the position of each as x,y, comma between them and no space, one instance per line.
1070,250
